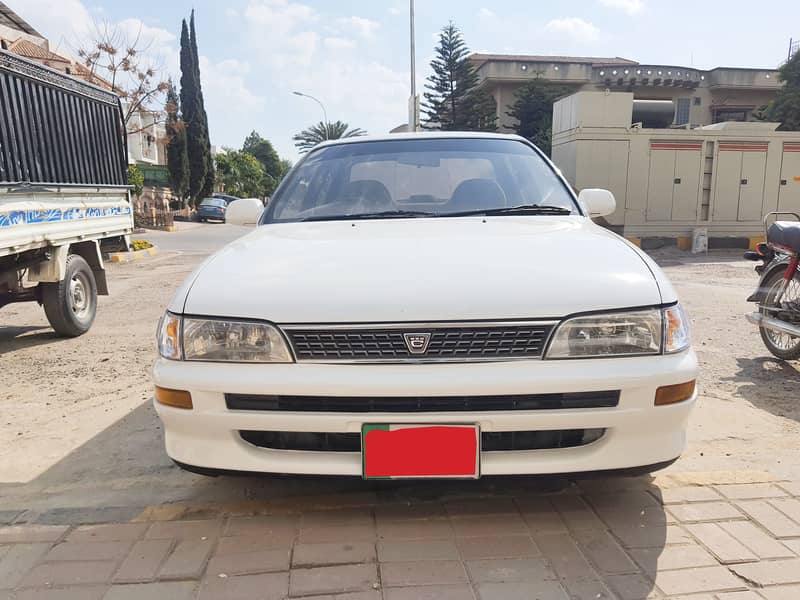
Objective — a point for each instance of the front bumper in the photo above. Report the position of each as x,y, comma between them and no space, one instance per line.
637,432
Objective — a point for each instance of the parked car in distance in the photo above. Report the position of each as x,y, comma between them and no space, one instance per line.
211,209
426,305
228,199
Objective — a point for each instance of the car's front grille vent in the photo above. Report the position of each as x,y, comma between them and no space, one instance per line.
417,404
491,441
489,342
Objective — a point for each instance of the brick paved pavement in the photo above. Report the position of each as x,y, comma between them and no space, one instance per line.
626,539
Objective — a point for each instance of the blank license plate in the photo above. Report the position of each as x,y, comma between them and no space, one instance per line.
413,451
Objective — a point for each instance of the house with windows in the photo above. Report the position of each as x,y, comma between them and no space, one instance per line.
664,95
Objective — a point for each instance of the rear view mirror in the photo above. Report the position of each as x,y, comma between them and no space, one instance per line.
599,203
245,212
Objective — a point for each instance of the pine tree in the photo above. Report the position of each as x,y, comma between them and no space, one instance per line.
177,159
533,111
192,117
785,107
454,101
208,184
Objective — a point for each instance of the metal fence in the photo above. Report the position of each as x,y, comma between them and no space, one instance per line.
55,129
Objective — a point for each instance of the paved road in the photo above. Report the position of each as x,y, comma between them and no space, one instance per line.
81,444
195,238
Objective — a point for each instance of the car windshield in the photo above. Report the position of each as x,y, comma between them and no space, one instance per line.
434,177
213,202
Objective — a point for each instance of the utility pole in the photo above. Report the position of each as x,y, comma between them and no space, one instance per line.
413,101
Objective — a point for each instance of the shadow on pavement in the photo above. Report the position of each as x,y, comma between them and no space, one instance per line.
596,532
770,384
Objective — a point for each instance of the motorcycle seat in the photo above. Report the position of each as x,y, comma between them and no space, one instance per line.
785,233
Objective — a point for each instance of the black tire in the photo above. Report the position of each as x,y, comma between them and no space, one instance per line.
71,304
791,350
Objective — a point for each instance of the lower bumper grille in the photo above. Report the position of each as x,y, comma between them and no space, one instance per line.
491,441
412,404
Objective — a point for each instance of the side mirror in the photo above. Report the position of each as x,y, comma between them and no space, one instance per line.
599,203
245,212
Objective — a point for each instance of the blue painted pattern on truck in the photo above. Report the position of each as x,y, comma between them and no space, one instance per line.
56,215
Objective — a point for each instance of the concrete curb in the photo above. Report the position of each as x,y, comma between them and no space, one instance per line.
685,243
122,257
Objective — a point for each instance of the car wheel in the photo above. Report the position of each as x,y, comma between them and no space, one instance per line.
71,304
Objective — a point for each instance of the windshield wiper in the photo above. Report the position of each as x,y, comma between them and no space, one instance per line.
386,214
524,209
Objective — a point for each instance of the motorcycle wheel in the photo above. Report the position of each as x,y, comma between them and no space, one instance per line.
782,345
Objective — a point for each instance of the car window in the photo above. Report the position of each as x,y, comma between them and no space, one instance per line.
439,176
213,202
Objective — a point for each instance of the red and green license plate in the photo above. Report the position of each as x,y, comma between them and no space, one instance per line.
413,451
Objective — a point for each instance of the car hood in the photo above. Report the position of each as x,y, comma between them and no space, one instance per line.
510,267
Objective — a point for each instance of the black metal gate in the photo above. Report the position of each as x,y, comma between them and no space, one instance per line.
56,130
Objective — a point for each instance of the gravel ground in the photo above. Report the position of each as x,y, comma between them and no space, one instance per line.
77,411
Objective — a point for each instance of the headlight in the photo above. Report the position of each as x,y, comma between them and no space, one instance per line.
632,333
219,340
613,334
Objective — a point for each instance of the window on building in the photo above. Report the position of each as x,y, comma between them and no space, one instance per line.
682,111
721,115
697,100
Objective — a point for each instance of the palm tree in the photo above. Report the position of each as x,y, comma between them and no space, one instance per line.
319,132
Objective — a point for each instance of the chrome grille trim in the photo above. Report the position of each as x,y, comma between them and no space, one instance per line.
486,341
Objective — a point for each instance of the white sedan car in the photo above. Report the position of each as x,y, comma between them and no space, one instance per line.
425,305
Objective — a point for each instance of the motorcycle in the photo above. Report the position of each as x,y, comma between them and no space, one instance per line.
778,292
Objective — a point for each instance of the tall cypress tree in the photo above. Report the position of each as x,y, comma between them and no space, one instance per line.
193,117
177,159
454,101
208,183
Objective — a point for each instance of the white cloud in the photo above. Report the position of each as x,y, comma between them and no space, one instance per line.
279,15
231,12
629,6
575,28
224,87
63,22
338,43
485,13
359,25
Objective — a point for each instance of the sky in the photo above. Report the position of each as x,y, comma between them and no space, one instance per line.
353,55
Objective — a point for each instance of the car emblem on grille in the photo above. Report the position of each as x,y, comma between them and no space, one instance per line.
417,343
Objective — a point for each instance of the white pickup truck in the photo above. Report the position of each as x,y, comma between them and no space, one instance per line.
63,191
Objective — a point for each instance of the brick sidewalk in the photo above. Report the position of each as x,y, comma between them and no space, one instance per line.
625,539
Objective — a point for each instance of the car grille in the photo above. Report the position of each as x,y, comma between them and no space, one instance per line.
491,441
490,342
413,404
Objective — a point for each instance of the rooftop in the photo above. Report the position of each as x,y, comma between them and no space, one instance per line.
23,47
11,19
588,60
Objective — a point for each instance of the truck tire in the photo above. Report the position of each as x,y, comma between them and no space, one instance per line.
71,304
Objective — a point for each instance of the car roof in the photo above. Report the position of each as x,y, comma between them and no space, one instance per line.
479,135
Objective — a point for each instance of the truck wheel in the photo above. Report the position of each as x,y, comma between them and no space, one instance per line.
71,304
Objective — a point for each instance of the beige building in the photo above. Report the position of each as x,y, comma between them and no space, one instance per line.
689,97
722,177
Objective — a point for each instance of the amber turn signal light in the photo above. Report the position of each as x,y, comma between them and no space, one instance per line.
671,394
174,398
